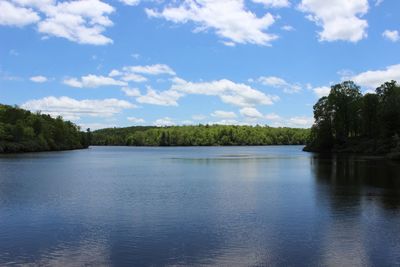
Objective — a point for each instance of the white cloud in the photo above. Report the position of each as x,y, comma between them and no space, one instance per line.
288,28
166,121
374,78
302,122
135,73
224,114
378,2
340,19
391,35
227,122
130,2
227,43
163,98
38,79
115,73
73,82
280,83
273,3
237,94
230,19
132,77
272,117
295,122
81,21
155,69
13,15
322,91
134,92
93,81
251,113
73,109
135,120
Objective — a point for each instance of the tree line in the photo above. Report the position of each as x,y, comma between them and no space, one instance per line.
200,135
24,131
346,120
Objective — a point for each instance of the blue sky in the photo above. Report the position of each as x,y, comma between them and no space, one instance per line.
130,62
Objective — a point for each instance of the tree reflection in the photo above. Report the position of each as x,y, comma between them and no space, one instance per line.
352,179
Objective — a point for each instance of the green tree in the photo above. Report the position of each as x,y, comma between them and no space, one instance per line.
389,107
345,106
369,111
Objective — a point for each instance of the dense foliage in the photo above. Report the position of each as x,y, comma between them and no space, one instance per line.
346,120
201,135
23,131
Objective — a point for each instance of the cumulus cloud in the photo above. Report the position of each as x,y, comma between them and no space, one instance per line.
280,83
250,113
295,122
322,91
128,76
135,73
81,21
72,109
155,69
237,94
14,15
130,2
163,98
134,92
229,92
301,121
227,122
374,78
166,121
115,73
288,28
272,117
273,3
135,120
230,19
38,79
391,35
133,77
224,114
339,19
93,81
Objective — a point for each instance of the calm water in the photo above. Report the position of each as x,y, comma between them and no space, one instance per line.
225,206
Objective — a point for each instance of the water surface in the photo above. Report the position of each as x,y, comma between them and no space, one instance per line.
198,206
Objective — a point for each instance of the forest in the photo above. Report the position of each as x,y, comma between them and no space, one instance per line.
200,135
347,121
24,131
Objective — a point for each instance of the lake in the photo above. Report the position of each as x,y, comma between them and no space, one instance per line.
198,206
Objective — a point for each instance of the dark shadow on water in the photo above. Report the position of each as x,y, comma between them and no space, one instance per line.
353,178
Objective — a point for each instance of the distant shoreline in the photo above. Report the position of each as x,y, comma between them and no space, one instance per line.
18,148
200,135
